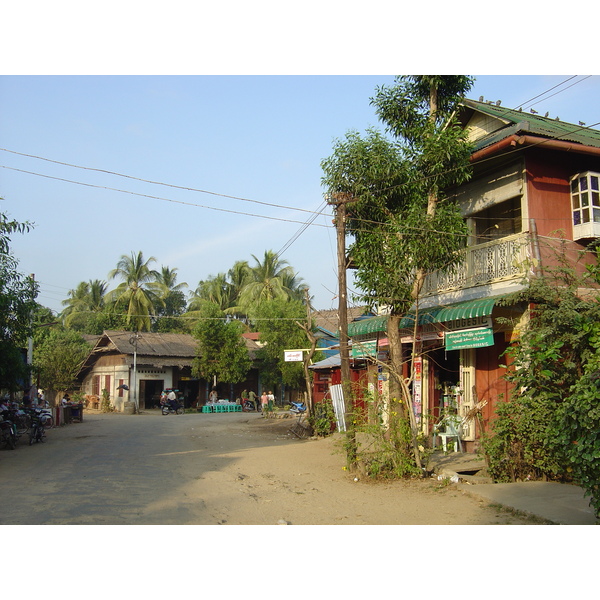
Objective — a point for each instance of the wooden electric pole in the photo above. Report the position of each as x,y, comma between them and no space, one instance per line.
340,202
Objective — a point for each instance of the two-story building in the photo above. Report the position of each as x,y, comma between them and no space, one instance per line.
535,190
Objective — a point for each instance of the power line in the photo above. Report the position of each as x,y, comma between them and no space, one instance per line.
227,210
179,187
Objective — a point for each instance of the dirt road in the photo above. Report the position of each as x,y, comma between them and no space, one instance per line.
197,469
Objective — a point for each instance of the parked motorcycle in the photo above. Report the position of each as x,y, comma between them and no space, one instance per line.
168,409
37,431
248,406
8,433
298,408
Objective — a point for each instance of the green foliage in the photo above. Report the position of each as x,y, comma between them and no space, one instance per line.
322,419
140,292
548,427
579,438
382,440
276,319
58,358
222,352
105,405
17,303
397,229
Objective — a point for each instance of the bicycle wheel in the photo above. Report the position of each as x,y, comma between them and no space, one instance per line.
179,411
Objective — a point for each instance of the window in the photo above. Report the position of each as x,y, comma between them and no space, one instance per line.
585,203
498,221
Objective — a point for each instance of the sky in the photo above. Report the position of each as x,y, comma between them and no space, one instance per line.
249,148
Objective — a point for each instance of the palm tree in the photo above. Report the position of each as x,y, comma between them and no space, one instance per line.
140,292
87,297
215,289
268,281
172,295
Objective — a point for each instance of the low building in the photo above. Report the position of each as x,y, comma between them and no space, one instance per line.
124,364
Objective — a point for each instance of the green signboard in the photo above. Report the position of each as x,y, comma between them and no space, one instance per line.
364,349
469,338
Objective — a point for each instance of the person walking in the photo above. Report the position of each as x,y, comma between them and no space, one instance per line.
271,400
264,400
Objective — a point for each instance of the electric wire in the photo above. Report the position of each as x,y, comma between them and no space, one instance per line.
226,210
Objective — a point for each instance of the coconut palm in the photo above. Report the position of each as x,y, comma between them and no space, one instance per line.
215,289
140,291
267,281
87,297
172,295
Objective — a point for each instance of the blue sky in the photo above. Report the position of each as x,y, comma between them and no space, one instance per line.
260,138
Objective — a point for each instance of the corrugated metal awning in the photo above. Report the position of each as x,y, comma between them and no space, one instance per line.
482,307
365,326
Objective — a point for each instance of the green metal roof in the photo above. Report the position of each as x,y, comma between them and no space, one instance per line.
481,307
524,122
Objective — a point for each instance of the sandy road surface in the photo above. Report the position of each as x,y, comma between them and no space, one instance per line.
196,469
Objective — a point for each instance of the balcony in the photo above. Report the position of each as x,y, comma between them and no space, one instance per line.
500,260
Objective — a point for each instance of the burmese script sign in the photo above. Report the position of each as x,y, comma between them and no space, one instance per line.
469,338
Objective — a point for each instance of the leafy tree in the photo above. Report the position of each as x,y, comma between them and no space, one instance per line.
140,292
222,352
17,303
393,191
277,320
57,360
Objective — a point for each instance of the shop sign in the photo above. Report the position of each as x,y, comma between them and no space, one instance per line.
417,388
293,355
469,338
423,337
364,349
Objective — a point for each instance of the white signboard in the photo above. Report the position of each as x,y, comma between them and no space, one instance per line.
293,355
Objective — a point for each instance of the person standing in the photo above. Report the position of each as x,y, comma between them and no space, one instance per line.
271,400
264,400
252,399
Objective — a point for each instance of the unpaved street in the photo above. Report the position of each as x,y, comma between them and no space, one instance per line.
209,469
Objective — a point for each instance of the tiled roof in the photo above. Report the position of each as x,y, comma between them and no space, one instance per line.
518,122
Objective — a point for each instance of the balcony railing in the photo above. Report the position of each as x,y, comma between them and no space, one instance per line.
482,264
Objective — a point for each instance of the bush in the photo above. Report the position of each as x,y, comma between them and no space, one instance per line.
322,419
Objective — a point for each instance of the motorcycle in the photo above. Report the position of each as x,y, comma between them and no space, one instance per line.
248,406
37,432
8,433
298,408
168,409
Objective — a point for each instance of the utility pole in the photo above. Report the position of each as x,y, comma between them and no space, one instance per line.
340,202
30,340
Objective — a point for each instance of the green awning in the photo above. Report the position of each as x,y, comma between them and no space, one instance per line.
436,314
466,310
365,326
